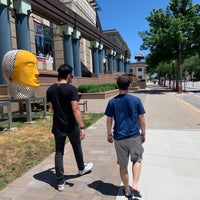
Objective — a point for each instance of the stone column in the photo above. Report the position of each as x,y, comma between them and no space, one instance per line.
114,62
95,56
109,54
123,69
23,10
101,59
76,53
120,63
126,65
67,32
5,34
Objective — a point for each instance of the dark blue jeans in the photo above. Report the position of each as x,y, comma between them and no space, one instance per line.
74,138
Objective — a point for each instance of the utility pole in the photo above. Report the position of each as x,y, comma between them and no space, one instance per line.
179,64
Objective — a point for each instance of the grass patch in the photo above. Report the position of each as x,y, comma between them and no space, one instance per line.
25,148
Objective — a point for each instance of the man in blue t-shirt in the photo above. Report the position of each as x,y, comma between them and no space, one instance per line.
127,112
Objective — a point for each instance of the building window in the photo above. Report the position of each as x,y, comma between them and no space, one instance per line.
140,69
43,41
140,77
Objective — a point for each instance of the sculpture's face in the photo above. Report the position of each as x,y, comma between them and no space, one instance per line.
25,69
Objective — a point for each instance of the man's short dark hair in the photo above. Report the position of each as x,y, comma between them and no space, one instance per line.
123,82
64,70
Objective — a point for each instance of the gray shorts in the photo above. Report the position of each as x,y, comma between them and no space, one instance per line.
129,147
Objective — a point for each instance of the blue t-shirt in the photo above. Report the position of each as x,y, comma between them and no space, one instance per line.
125,109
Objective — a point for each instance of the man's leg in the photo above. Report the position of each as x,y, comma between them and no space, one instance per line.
59,167
60,144
136,151
136,169
125,179
74,138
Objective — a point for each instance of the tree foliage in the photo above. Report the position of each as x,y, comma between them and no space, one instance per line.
192,67
178,24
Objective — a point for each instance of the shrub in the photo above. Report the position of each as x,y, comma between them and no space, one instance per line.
89,88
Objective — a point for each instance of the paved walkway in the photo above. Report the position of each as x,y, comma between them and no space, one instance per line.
170,167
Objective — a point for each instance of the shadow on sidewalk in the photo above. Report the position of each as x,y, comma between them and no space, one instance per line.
152,91
104,188
109,189
49,177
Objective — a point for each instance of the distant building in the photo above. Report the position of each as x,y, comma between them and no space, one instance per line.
138,68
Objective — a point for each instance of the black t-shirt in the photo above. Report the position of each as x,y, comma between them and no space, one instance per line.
61,95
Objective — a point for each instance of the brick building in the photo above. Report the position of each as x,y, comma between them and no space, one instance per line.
138,68
63,31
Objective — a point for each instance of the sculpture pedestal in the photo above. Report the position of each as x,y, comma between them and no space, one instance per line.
7,120
29,112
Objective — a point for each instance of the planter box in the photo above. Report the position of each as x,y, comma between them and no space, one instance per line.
99,95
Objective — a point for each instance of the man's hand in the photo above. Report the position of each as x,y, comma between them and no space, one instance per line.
82,134
110,138
143,136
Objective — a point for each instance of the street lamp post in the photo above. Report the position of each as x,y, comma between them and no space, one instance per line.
179,66
173,74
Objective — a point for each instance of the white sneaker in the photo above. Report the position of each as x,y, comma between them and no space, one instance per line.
61,187
88,168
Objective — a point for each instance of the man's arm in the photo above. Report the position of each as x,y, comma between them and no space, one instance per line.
109,128
143,127
78,116
50,106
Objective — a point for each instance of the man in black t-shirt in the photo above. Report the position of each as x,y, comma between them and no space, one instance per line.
63,98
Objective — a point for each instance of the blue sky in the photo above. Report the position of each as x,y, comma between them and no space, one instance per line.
128,17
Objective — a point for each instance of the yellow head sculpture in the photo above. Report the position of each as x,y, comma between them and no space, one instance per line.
21,72
25,69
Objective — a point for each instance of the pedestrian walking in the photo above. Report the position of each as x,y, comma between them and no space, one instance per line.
126,113
63,98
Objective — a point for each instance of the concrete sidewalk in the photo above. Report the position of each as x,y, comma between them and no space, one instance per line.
170,167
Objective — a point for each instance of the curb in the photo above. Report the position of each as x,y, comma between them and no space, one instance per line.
189,105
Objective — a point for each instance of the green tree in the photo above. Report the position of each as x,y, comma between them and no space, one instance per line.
174,34
192,67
